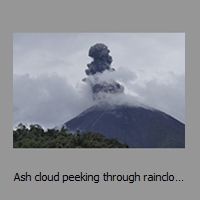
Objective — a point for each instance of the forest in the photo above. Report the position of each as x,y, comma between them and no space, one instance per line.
36,137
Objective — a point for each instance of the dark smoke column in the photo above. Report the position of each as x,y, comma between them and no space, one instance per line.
101,62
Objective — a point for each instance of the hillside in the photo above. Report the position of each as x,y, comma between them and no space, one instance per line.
136,126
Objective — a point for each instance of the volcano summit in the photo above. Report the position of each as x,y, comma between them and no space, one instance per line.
138,126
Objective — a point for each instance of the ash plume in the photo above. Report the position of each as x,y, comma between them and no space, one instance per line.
102,59
101,63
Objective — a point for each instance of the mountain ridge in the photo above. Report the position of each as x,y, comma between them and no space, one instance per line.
134,125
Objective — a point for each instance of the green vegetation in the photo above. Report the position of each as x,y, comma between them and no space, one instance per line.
37,137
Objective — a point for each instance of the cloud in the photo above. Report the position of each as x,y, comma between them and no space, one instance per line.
50,100
151,67
163,90
47,99
122,74
167,96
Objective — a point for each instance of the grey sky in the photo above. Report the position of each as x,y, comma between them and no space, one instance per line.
48,70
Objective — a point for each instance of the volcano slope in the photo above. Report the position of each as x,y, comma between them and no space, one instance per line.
136,126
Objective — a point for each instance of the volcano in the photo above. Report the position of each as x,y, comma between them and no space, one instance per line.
137,126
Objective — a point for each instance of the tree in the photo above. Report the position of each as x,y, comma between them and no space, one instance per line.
36,137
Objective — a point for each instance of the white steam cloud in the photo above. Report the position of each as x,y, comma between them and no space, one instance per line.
47,99
50,100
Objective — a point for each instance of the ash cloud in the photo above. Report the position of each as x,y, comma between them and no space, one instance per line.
102,60
101,63
103,79
106,85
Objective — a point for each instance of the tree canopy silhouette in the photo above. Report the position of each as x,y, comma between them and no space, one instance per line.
37,137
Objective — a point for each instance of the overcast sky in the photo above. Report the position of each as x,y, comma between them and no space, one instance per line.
48,69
